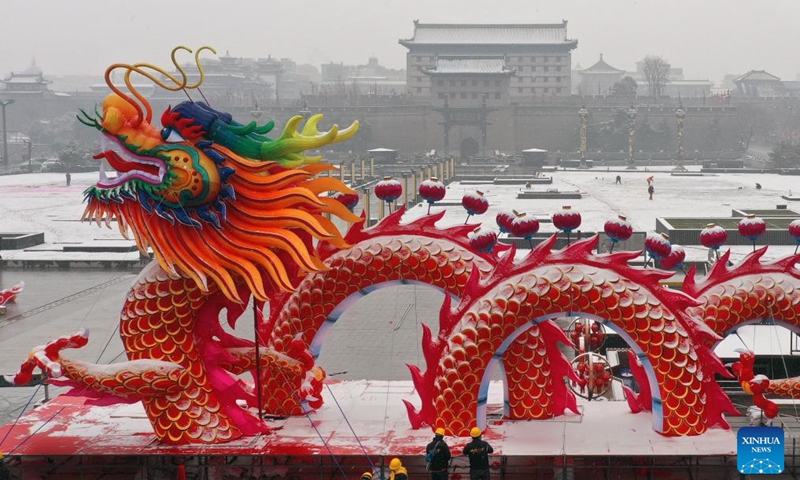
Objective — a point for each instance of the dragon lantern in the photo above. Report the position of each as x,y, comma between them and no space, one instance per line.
233,215
229,213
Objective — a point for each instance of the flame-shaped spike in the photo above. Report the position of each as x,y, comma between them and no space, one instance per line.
446,319
144,201
163,213
417,377
208,216
750,265
413,417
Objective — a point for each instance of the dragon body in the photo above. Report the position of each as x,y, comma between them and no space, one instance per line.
753,291
387,254
514,297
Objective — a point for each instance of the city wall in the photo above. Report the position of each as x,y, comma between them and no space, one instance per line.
411,129
418,128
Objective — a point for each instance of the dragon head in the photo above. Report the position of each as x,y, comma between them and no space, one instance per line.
157,168
213,198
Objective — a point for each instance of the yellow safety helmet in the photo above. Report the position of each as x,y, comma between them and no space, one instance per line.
395,464
366,476
475,432
440,431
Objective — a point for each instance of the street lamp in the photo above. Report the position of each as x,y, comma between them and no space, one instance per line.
583,113
631,136
3,105
29,144
679,116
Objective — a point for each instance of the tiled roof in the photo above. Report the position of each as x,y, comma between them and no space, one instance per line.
24,78
756,75
450,34
601,67
470,65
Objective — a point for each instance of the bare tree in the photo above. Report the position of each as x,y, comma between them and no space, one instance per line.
656,74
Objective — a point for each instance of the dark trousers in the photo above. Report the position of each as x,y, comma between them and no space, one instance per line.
478,474
443,475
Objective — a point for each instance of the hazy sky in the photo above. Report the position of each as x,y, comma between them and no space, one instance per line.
708,38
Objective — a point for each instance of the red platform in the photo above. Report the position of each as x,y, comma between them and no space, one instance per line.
67,426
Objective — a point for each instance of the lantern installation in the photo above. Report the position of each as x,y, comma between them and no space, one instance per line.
752,227
618,230
475,204
713,237
482,240
349,200
388,190
525,227
432,191
567,220
504,220
794,231
657,246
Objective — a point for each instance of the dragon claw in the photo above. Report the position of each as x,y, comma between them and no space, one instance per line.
46,357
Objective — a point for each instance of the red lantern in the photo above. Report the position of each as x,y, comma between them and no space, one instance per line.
618,230
713,236
432,191
388,190
504,220
524,226
752,227
674,260
475,203
349,200
794,231
567,219
483,240
657,245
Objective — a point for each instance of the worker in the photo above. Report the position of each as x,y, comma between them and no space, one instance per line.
478,452
398,471
437,454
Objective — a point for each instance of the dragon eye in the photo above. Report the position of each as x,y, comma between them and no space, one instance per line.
171,135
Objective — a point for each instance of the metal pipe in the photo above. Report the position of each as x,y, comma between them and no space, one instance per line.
405,190
366,207
414,186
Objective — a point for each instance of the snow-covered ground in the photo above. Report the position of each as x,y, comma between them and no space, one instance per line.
714,195
43,202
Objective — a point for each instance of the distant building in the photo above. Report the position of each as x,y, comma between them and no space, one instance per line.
538,54
332,72
470,79
372,78
30,82
759,84
240,81
688,88
792,88
599,78
677,85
